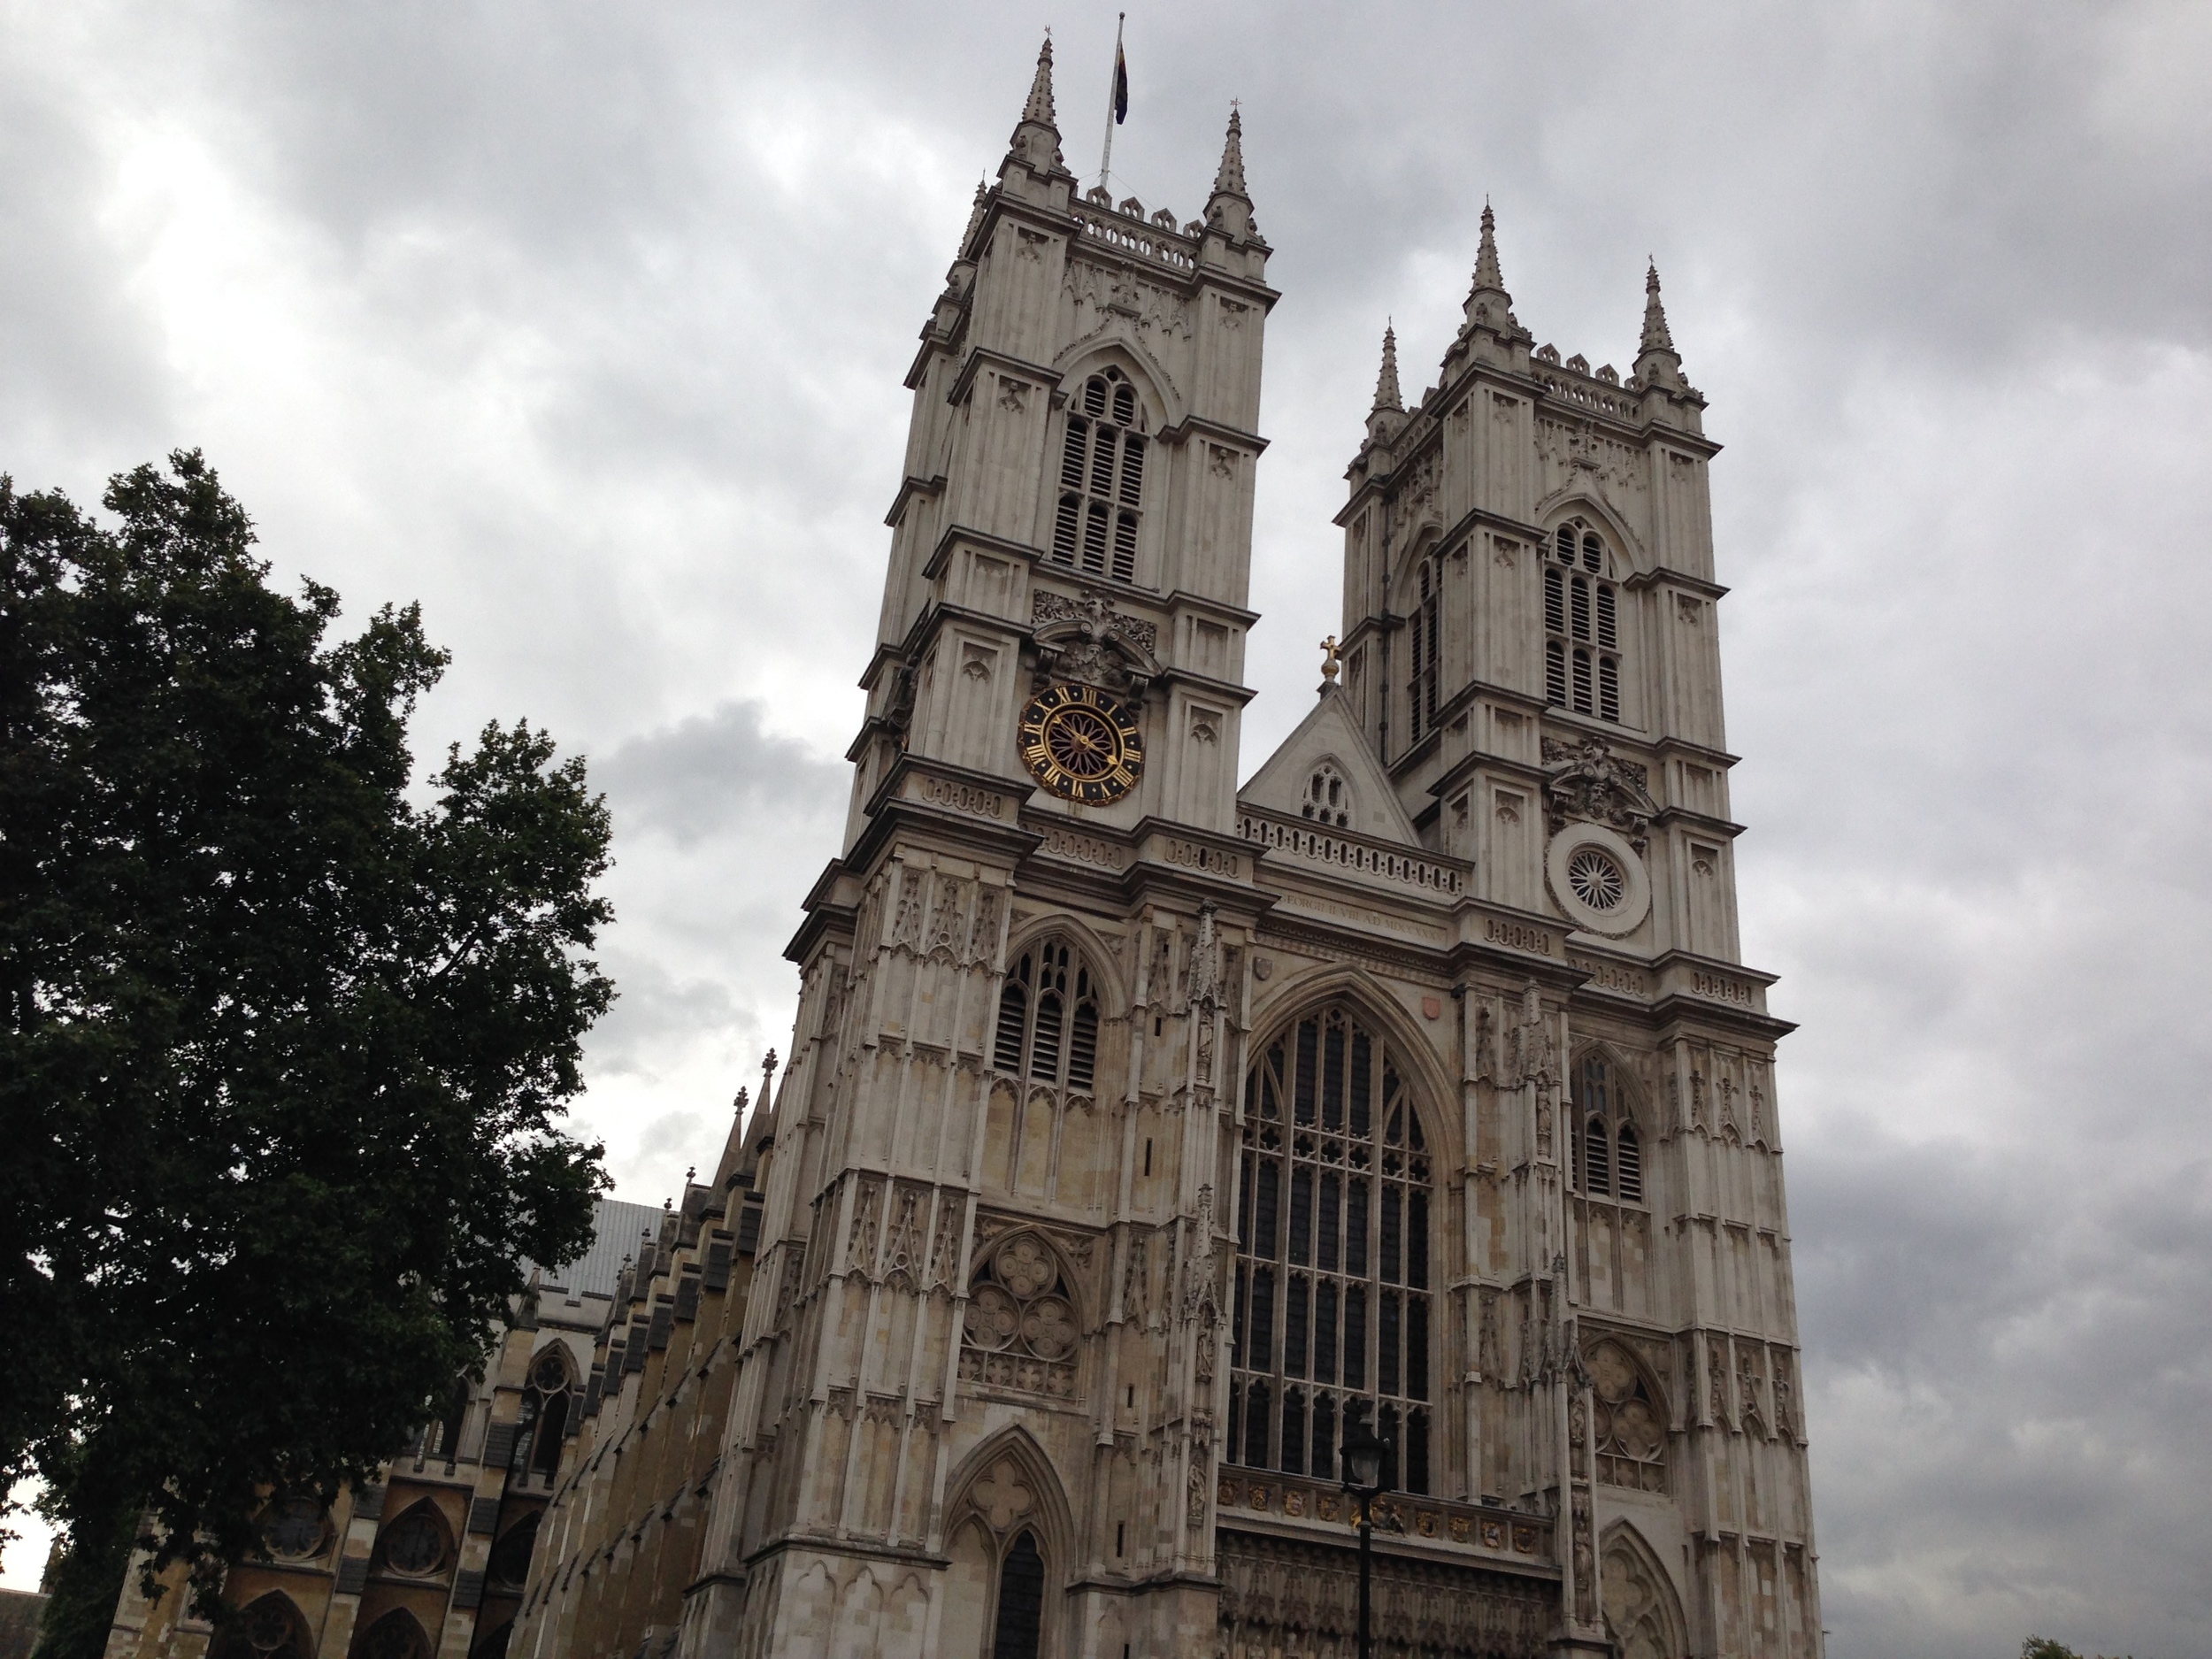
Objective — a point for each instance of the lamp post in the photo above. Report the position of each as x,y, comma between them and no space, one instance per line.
1363,1475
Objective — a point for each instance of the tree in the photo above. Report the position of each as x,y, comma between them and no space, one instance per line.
283,1053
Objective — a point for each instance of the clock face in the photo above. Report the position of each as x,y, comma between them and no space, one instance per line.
1081,744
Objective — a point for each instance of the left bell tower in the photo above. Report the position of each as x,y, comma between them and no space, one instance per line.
981,1370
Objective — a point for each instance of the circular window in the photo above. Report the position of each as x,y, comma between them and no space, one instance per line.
292,1528
415,1544
550,1373
1596,879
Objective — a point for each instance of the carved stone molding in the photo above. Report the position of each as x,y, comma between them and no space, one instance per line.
1585,782
1087,642
1287,1596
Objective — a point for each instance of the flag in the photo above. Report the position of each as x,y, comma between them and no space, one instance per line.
1121,86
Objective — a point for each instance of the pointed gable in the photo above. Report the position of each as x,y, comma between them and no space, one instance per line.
1330,738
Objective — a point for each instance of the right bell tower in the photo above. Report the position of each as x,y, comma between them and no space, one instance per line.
1531,650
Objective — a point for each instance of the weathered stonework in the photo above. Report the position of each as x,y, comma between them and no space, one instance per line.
1130,1150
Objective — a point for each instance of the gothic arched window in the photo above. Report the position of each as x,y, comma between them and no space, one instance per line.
999,1542
1019,1329
1609,1152
1425,627
418,1545
1334,1195
395,1636
1102,480
548,1404
1328,797
1018,1627
1629,1424
447,1440
1582,664
270,1628
1048,1019
509,1560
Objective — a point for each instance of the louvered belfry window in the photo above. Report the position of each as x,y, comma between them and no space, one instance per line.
1048,1019
1102,480
1426,628
1582,664
1333,1313
1609,1158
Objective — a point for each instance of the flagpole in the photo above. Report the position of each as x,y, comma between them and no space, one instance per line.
1113,86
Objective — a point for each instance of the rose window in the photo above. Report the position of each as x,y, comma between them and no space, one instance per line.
1019,1330
1596,879
293,1529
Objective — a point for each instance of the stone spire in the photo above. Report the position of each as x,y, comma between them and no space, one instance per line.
1038,109
1486,274
1036,141
1386,394
1657,362
1229,210
1229,177
975,215
1656,335
1488,304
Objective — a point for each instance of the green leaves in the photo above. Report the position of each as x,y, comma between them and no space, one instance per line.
282,1057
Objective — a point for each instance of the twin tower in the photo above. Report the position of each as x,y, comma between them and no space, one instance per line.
1142,1135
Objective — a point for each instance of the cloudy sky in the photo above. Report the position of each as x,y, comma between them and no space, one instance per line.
585,325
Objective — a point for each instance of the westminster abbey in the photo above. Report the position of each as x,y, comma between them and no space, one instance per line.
1141,1134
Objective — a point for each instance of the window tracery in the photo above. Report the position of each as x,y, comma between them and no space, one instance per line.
1582,667
1332,1318
1020,1330
1000,1565
1630,1426
1328,798
1047,1028
548,1403
417,1545
294,1528
1102,480
270,1628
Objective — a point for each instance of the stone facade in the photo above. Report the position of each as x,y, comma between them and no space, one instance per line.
619,1544
432,1557
1140,1132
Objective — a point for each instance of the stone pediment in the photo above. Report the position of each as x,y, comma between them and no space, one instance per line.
1329,745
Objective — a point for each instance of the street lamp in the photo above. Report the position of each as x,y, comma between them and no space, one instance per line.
1363,1475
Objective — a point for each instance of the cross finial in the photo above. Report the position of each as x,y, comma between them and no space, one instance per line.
1329,662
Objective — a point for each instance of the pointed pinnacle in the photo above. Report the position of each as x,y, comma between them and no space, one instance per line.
1386,393
1039,105
1229,180
1486,274
975,214
1656,335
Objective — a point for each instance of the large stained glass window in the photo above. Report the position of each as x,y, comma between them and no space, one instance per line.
1335,1209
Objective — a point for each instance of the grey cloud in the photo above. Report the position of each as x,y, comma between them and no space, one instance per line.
588,327
718,773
